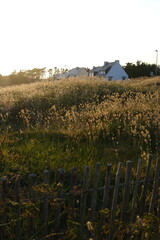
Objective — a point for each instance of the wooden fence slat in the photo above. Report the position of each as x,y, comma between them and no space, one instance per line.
17,209
126,189
32,196
4,188
158,209
106,189
72,193
145,186
155,187
4,192
32,183
135,191
46,177
114,201
94,191
45,205
74,176
76,192
107,185
61,177
84,193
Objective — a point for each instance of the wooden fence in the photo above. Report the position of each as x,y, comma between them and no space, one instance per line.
41,211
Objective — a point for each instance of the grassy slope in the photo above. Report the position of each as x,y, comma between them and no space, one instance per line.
77,122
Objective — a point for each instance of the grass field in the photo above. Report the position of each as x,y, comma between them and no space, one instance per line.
76,122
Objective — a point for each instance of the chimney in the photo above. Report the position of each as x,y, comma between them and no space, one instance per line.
116,61
105,62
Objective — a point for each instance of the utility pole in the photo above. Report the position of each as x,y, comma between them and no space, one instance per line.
156,62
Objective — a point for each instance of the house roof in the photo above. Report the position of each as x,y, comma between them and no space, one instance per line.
96,69
63,75
106,67
73,72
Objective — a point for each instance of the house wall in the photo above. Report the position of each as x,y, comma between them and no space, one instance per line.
117,72
91,74
83,72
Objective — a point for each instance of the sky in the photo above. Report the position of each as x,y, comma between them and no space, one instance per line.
77,33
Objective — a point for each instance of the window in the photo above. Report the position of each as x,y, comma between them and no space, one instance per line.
110,78
123,78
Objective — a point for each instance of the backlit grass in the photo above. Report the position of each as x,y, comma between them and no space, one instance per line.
77,122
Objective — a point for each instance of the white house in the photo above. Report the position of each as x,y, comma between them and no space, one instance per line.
75,72
110,70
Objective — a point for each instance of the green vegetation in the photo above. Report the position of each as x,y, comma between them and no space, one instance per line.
76,122
141,69
23,76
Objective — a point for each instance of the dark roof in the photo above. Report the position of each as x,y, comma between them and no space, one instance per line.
96,69
106,67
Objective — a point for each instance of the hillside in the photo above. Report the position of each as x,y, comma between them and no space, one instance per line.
78,121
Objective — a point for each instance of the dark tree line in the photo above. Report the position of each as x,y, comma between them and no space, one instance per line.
141,69
23,76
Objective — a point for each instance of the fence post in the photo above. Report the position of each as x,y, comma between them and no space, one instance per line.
106,189
73,189
155,187
32,183
32,196
158,209
17,209
4,188
135,191
74,176
94,191
61,176
45,206
126,189
114,201
145,186
84,193
4,191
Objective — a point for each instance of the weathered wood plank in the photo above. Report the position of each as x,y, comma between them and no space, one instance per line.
74,176
158,209
84,193
4,192
106,189
17,209
94,191
73,191
145,186
126,189
32,183
61,178
133,205
155,187
114,201
32,197
4,188
45,205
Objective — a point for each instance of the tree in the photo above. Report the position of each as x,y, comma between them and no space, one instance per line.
139,69
23,76
50,71
36,73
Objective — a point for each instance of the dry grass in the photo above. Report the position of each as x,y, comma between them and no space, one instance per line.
123,115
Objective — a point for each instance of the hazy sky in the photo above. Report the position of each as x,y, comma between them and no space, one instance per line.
70,33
